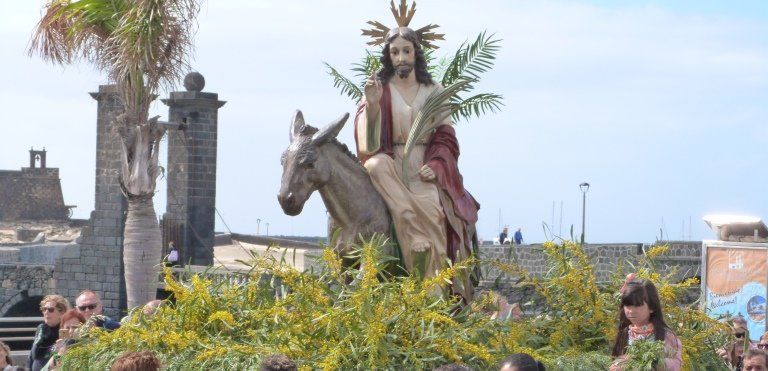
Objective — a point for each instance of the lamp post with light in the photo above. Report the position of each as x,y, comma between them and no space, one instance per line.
584,188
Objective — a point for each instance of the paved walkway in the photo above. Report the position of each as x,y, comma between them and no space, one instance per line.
228,255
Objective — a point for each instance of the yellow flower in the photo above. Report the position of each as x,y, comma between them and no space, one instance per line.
212,353
657,251
332,261
222,316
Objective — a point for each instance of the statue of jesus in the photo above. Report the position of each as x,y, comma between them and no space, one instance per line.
433,214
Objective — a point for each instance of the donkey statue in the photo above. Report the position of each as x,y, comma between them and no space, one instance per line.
316,160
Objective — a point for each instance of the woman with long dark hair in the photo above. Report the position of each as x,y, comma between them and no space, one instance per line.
641,318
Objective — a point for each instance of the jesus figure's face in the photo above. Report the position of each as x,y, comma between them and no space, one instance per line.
403,56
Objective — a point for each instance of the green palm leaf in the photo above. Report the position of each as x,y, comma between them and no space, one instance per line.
367,66
472,60
439,68
477,105
439,104
346,85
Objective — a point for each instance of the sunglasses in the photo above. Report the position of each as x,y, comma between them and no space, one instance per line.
48,309
739,335
763,346
83,308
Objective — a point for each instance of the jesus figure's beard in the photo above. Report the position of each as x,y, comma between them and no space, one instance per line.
404,70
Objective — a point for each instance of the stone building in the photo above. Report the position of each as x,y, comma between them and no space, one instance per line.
32,194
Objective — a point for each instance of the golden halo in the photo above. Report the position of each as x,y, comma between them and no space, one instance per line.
403,17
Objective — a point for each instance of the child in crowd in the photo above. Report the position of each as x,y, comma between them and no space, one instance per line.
641,317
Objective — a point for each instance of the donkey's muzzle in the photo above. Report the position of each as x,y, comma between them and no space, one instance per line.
289,204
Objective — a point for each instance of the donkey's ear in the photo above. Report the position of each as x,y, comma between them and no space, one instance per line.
297,124
330,131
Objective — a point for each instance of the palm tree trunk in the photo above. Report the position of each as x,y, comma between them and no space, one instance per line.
142,251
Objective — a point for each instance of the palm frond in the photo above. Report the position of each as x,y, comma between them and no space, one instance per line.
367,66
142,45
472,60
439,68
439,105
346,85
477,105
429,57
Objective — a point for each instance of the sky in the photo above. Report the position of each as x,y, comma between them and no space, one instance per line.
660,105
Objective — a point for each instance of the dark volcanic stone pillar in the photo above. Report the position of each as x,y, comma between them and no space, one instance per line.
191,208
96,263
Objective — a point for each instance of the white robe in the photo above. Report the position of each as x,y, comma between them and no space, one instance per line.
416,210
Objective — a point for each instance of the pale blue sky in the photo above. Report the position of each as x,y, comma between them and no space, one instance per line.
660,105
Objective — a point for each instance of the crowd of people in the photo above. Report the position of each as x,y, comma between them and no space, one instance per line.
742,353
61,324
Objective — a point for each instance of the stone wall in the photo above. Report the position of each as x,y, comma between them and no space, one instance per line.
20,282
31,194
683,257
96,263
606,258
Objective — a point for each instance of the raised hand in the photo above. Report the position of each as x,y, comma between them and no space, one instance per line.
373,89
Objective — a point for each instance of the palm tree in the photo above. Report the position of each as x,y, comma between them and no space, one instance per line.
143,45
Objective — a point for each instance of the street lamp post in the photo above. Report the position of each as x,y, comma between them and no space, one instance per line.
584,188
258,225
267,228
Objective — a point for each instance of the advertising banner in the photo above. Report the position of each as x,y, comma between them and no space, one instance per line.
735,282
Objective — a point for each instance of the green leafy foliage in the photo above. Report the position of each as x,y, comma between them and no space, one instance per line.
347,87
644,355
364,318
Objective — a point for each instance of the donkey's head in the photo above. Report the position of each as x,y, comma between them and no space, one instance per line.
305,169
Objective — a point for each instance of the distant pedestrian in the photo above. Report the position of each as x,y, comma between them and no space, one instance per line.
503,236
518,237
172,259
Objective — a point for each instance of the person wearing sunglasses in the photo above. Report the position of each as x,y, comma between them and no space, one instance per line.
88,304
733,354
52,308
71,321
763,344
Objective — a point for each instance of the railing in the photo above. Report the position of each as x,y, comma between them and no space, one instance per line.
19,333
216,274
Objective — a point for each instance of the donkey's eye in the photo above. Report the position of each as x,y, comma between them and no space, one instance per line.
307,162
